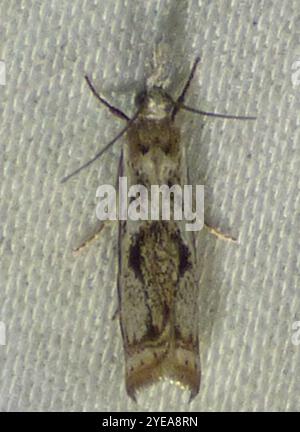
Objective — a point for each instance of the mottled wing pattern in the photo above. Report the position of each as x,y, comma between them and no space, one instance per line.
157,289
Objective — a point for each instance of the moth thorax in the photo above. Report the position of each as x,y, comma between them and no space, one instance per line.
156,104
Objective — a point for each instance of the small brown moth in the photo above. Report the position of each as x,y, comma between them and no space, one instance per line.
157,285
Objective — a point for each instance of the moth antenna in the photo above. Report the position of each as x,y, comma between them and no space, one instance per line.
100,153
180,100
179,104
112,109
212,114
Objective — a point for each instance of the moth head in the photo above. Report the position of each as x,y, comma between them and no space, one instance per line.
154,104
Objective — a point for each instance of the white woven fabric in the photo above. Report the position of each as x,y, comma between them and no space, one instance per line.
63,350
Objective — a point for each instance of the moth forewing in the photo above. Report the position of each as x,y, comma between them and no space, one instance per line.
157,286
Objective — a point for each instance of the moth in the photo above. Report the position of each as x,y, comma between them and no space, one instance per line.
157,283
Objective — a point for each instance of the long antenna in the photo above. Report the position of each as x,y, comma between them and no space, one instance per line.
116,111
212,114
100,153
179,103
180,100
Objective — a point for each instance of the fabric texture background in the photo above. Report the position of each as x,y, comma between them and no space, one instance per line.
63,351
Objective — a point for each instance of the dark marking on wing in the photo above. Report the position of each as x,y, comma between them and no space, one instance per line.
135,258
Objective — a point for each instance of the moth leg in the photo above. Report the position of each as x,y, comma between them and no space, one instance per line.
116,314
92,238
219,234
216,232
104,223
